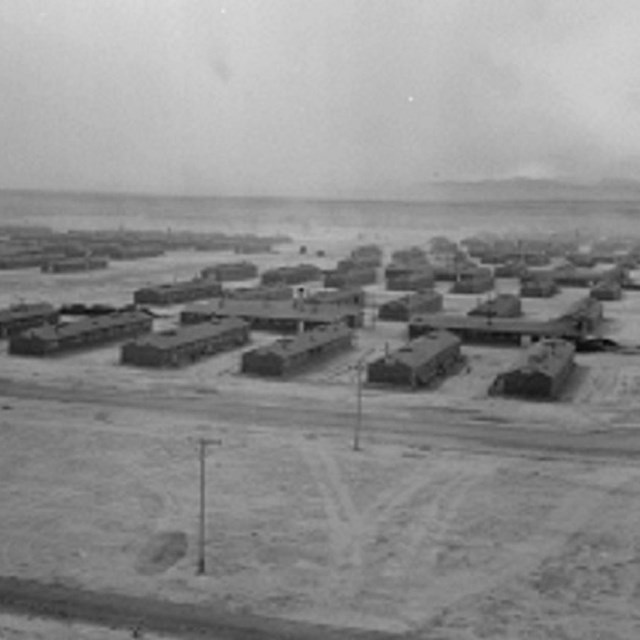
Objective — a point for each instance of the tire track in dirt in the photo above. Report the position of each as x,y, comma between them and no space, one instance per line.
354,533
32,549
345,523
435,523
395,572
395,496
571,516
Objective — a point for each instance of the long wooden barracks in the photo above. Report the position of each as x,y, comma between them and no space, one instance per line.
72,265
350,278
231,271
275,292
286,316
292,275
482,330
19,317
473,281
178,292
412,281
50,339
542,372
185,344
538,286
350,297
288,355
504,305
419,362
585,315
401,309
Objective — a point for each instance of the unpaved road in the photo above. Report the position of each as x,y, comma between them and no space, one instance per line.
421,426
185,620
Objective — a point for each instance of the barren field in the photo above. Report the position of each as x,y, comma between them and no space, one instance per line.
438,528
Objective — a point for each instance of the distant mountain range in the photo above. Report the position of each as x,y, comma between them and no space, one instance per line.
528,189
499,190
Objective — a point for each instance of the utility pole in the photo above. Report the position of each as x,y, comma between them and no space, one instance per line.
203,442
374,309
358,425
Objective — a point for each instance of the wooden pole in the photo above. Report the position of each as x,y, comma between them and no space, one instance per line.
358,425
201,534
202,443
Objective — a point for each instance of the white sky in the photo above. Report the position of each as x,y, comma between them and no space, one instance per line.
315,97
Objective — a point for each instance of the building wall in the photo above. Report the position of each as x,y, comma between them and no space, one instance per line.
267,362
504,306
348,279
176,294
390,370
538,289
530,381
401,310
478,335
13,326
33,343
291,275
410,282
141,353
231,271
473,285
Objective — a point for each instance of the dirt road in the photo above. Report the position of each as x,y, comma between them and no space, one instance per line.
185,620
419,426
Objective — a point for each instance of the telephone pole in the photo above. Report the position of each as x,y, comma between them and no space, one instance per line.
358,425
203,442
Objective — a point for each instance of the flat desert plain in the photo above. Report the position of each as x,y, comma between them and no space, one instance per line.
462,516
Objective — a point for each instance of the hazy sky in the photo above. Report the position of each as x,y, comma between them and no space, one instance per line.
315,97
